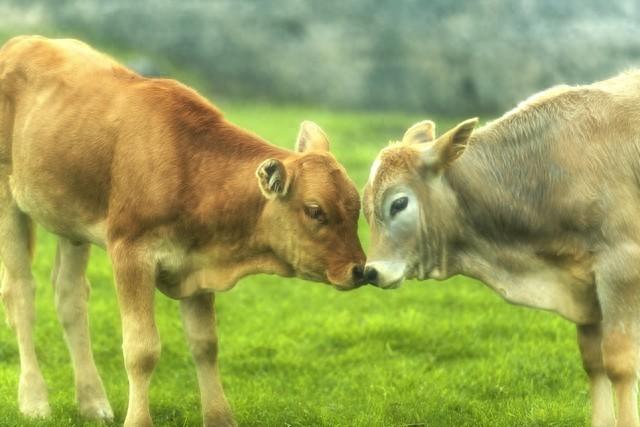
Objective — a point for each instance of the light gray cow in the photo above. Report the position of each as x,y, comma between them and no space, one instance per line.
542,205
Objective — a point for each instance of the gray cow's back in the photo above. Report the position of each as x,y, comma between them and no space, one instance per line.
565,162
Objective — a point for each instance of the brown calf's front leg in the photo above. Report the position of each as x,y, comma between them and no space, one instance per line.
198,318
590,344
140,340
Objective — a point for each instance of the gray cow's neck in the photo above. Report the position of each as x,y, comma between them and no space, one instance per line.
501,185
511,227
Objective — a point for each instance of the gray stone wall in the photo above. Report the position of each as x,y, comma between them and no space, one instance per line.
438,56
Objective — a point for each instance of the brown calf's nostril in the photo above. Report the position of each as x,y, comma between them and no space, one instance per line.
357,273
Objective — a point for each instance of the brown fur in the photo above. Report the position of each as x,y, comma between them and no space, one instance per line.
152,171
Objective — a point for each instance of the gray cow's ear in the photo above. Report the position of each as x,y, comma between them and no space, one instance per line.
311,138
444,150
424,131
272,178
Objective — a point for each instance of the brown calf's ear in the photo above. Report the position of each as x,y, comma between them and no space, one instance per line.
311,138
272,178
424,131
444,150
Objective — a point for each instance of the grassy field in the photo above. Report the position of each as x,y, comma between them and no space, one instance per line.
295,353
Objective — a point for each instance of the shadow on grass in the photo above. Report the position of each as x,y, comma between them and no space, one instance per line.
442,347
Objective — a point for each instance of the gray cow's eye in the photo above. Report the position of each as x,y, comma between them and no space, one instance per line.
398,205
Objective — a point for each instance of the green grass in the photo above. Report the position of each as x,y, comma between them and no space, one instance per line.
295,353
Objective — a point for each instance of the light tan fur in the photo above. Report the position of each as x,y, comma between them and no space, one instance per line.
542,205
183,200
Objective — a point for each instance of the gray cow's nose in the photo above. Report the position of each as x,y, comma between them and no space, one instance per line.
371,275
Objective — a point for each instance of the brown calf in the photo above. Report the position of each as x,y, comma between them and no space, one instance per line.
183,201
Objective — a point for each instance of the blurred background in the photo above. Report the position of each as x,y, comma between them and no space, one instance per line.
440,56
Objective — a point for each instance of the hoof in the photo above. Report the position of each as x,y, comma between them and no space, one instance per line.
99,411
92,400
35,409
219,419
32,396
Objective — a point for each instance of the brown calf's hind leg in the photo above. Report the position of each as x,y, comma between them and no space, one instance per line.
198,318
590,344
72,295
18,295
140,340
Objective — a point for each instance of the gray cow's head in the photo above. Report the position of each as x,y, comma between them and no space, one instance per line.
409,207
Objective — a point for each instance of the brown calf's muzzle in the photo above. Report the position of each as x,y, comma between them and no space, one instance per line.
350,275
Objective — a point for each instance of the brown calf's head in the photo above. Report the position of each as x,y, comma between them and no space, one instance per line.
313,210
408,205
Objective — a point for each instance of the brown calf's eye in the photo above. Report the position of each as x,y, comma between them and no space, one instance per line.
315,212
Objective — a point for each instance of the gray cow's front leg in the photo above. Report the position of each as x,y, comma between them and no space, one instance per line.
620,351
198,318
590,344
618,283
